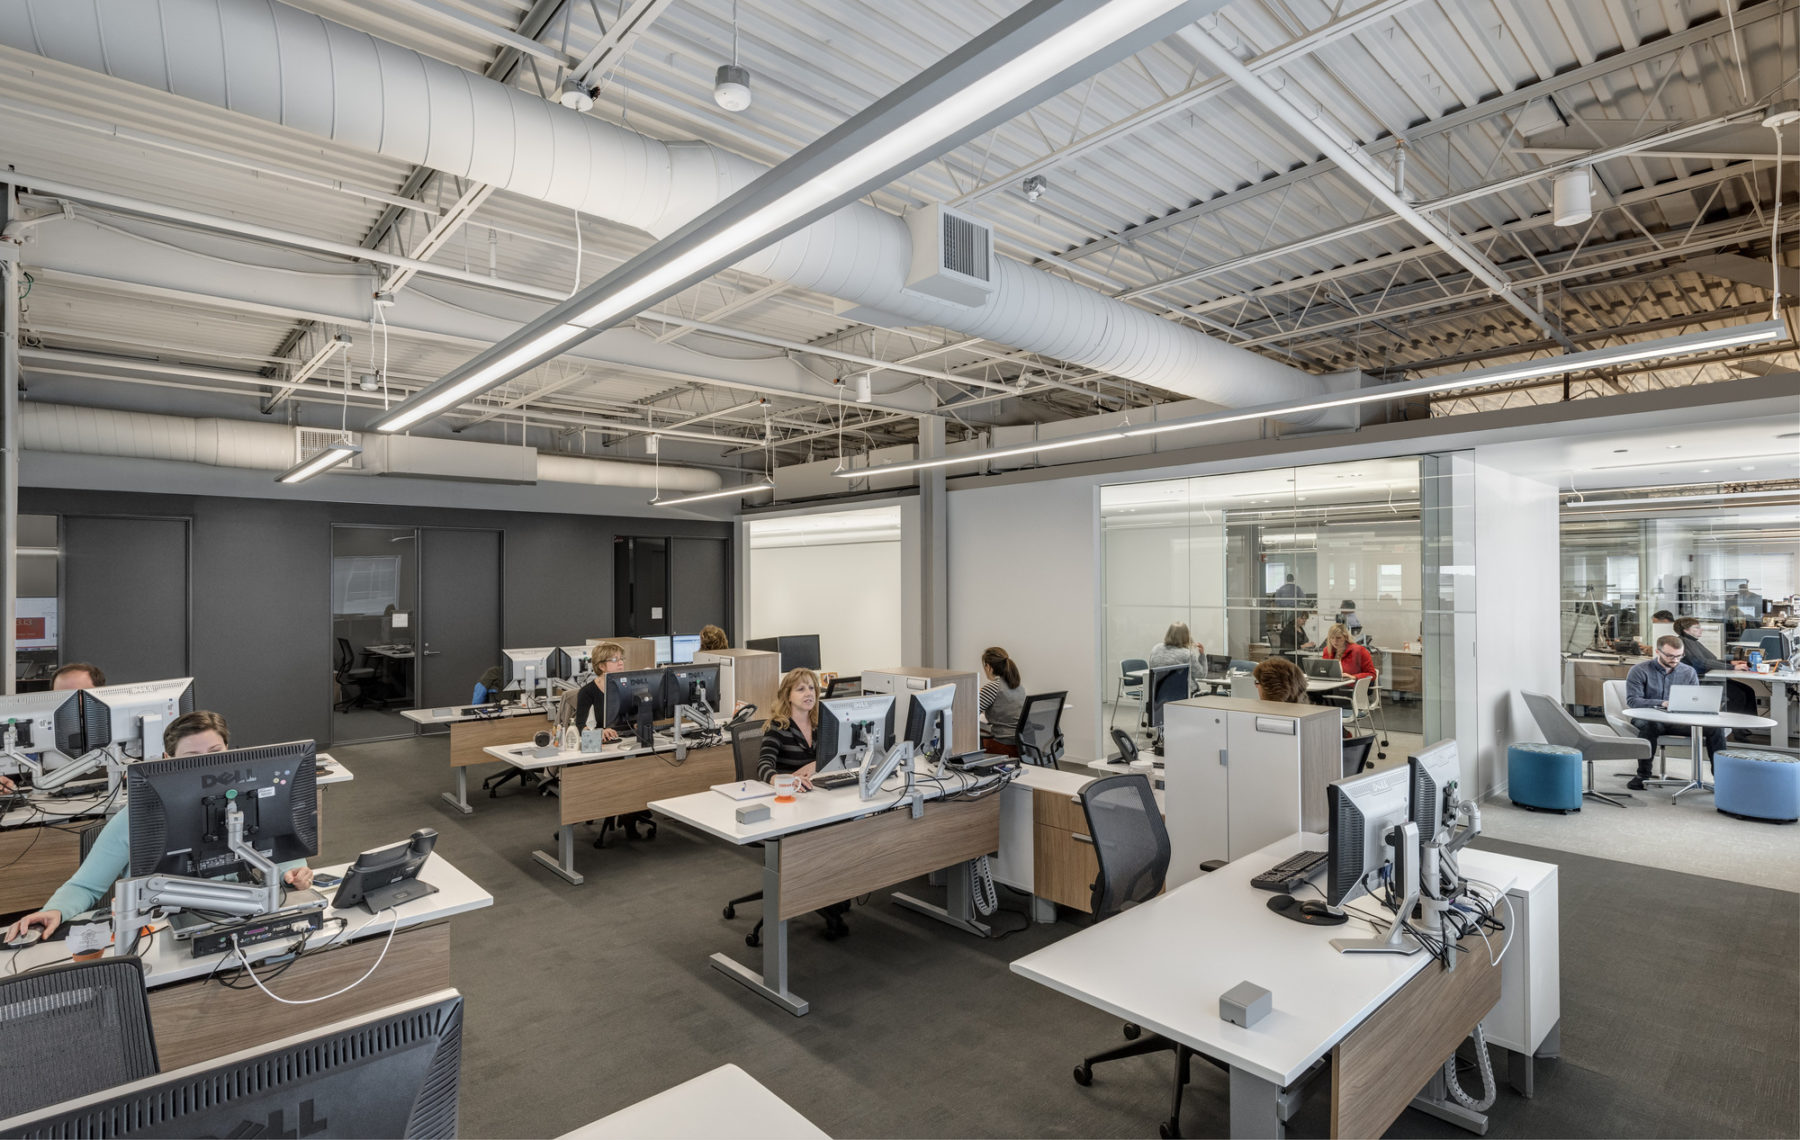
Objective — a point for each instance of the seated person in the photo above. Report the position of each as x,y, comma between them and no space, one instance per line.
712,638
1355,661
488,687
1002,700
1696,656
1279,680
790,743
1647,687
590,701
77,675
1290,636
1348,619
1178,648
192,734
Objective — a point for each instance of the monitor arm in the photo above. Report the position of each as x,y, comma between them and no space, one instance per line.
46,779
136,897
871,775
1404,839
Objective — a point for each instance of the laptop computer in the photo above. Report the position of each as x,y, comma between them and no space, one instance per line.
1695,698
1328,670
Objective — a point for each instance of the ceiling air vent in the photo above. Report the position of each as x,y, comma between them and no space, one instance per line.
952,256
308,442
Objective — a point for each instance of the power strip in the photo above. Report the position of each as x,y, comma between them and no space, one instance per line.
256,931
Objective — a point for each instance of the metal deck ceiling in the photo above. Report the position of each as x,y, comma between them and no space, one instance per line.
1168,186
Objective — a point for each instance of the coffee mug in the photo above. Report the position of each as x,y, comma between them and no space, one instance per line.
785,784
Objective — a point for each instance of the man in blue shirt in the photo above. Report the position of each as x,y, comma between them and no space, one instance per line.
1647,687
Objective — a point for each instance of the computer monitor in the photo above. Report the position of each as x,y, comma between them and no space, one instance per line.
1432,772
682,647
849,723
930,724
797,650
528,669
1371,824
178,806
633,696
1218,664
392,1072
693,685
43,738
121,716
1167,683
569,662
664,652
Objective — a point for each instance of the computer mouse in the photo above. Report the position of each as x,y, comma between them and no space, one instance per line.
1313,908
28,938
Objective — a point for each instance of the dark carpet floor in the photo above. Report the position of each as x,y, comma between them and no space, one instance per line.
1680,995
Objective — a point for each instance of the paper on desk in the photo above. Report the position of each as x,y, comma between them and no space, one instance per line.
744,789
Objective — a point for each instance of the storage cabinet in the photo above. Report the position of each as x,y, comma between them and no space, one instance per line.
1063,867
1240,774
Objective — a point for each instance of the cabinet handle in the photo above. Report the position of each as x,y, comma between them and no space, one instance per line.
1080,838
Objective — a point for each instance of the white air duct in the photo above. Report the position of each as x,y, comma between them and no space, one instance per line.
285,66
270,447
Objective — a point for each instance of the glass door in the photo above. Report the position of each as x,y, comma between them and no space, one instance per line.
374,622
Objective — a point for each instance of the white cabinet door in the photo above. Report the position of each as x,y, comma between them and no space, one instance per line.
1263,777
1194,789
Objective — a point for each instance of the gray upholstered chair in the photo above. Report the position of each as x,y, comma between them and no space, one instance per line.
1559,727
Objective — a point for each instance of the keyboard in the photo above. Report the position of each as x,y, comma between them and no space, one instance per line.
1290,872
835,780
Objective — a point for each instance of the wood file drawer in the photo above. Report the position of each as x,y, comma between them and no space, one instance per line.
1054,809
1062,867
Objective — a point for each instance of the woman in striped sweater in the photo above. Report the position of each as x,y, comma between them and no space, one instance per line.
790,742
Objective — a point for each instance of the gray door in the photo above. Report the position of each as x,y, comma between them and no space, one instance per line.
125,596
459,612
700,584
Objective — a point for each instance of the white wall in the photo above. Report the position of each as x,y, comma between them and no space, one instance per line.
1516,623
849,594
1024,575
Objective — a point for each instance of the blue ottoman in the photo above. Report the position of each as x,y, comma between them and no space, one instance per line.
1544,777
1752,784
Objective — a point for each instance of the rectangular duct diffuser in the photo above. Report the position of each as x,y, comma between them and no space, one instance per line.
952,256
421,457
308,442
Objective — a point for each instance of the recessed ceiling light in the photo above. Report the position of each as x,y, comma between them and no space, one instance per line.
1706,471
1789,435
1748,467
1620,450
1673,446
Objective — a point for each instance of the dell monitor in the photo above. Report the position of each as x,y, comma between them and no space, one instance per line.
528,669
569,662
46,726
849,724
1432,773
124,717
634,697
1167,683
178,807
693,685
929,724
682,648
393,1072
1372,829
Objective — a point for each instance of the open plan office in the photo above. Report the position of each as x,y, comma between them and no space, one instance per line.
713,568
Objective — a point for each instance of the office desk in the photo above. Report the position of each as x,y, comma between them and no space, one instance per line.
725,1102
828,846
1697,724
470,736
196,1018
617,780
1388,1020
40,842
1778,688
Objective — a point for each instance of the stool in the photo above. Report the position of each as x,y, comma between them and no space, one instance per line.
1751,784
1544,777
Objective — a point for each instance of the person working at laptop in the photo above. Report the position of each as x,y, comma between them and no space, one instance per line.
1647,687
1353,659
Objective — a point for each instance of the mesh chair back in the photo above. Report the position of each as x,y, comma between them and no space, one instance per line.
1130,842
73,1029
1553,720
1040,738
746,742
1356,753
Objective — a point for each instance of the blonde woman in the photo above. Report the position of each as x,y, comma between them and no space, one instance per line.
790,743
1353,659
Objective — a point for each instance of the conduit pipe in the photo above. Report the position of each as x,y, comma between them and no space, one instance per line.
279,64
270,447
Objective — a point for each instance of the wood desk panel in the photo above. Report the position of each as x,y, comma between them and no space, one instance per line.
469,737
38,859
830,864
1384,1063
1063,868
613,787
199,1020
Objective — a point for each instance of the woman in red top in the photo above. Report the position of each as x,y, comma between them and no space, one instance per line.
1357,661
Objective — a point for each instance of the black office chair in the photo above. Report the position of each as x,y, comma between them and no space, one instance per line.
354,682
1356,753
73,1029
1039,732
1132,848
746,743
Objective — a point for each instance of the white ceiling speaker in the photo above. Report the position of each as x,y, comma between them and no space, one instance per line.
731,87
576,95
864,389
1572,199
368,381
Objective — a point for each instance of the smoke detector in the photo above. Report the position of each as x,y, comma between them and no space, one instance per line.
1034,187
731,87
576,95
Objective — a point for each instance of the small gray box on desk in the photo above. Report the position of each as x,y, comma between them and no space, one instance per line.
752,813
1244,1004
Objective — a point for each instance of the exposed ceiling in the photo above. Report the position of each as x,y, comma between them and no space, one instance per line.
1169,187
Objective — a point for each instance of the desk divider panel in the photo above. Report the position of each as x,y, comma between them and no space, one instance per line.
37,860
469,737
831,864
603,788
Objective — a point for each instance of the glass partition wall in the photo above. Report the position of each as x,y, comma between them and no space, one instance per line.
1237,557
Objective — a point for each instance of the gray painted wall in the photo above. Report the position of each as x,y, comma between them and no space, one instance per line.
261,648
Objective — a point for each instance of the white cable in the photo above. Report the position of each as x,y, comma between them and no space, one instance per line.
577,287
1775,235
245,962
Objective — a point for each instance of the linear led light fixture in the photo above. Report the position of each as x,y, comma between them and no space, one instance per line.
1717,496
324,460
729,492
1042,49
1686,344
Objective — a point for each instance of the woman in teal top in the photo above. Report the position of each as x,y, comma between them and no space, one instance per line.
192,734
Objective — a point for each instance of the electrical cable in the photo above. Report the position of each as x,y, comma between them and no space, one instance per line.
1486,1064
981,886
323,997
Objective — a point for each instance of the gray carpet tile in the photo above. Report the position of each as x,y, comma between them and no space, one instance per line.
1679,995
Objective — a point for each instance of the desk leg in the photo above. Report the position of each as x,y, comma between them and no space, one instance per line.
565,867
1698,783
772,982
1255,1106
460,801
959,903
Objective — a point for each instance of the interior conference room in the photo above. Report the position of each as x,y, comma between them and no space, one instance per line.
921,568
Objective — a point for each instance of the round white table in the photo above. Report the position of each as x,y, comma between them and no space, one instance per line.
1698,723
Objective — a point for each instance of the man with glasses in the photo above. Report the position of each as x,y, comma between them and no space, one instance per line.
1647,687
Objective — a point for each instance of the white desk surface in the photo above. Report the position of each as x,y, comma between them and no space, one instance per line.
169,961
1163,965
716,814
1699,720
1776,678
52,809
523,756
329,770
1043,779
429,716
725,1102
1325,684
397,652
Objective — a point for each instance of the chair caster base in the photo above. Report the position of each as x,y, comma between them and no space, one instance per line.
1083,1075
1131,1031
730,911
1167,1129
